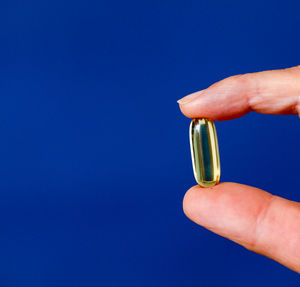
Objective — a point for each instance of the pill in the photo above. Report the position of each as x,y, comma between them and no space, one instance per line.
205,152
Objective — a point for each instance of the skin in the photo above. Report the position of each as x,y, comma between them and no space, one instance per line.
249,216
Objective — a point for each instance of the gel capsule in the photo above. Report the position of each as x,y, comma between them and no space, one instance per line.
205,152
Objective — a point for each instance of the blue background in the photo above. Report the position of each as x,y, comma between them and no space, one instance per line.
94,152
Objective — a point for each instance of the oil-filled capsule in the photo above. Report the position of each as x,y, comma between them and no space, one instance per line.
205,152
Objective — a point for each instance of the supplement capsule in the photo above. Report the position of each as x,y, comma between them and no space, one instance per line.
205,152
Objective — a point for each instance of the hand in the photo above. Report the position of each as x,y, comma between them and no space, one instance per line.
254,218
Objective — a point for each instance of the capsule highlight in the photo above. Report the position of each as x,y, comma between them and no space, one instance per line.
205,152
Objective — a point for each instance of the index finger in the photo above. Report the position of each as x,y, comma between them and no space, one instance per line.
269,92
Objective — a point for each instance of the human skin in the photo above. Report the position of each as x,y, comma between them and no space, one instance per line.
254,218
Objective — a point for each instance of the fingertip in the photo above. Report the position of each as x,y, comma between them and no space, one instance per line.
227,208
189,98
198,200
189,200
191,105
200,108
223,100
184,110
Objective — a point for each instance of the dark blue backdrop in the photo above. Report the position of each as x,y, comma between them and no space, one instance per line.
94,152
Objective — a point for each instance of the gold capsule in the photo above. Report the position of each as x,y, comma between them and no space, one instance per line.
205,152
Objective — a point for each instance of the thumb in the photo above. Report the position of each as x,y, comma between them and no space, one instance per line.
257,220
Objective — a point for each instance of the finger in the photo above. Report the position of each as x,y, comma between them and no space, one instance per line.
269,92
259,221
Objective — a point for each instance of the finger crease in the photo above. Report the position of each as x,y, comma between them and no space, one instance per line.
298,106
253,93
261,217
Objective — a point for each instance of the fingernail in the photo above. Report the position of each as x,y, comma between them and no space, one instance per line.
189,98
